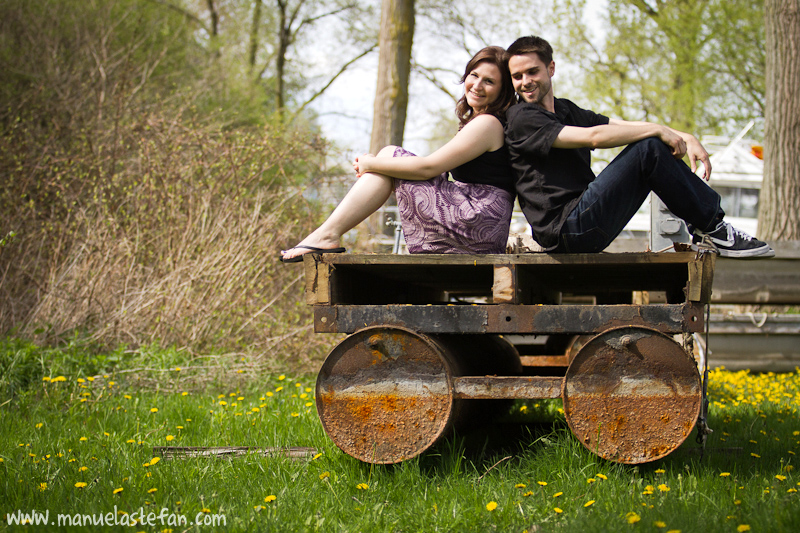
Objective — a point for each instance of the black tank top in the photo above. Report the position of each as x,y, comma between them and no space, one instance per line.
490,168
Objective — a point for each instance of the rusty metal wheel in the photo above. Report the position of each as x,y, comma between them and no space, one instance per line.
385,394
632,395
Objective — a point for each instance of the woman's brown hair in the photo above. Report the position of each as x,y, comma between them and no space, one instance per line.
493,55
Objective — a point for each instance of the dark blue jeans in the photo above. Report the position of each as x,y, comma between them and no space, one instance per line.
618,191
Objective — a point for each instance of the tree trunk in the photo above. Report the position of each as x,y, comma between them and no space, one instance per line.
394,67
284,38
779,217
254,29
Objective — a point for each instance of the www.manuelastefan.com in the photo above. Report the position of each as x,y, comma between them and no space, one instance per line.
115,518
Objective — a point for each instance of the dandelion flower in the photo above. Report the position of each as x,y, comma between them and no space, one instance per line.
151,491
83,469
83,439
491,506
663,488
780,477
632,517
724,474
281,377
557,494
542,483
589,503
42,487
743,527
39,425
519,486
602,476
316,457
295,415
80,485
660,471
270,498
591,480
757,457
324,475
154,409
118,490
526,494
659,524
362,486
170,437
557,510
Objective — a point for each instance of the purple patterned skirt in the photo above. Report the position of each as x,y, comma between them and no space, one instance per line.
439,216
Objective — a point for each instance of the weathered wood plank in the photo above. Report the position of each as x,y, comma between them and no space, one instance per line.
504,289
181,452
701,278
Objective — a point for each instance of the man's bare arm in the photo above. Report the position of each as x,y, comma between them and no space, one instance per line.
694,150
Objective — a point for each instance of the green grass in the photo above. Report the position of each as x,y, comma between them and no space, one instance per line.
102,432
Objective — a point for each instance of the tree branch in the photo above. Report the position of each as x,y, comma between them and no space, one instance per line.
188,14
330,82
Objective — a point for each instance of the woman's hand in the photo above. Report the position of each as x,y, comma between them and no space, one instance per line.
361,164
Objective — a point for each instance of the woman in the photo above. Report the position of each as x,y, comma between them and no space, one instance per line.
468,215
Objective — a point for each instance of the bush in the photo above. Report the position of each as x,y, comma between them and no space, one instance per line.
126,216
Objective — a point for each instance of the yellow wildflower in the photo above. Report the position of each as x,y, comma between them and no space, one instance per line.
270,498
589,503
362,486
80,485
118,490
557,510
491,506
743,527
632,517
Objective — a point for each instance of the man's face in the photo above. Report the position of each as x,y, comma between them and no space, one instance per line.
531,78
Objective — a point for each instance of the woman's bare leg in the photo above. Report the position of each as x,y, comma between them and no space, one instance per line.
368,194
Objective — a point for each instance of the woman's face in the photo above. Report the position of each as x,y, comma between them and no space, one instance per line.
482,85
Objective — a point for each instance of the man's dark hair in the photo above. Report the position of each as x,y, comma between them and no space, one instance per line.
531,44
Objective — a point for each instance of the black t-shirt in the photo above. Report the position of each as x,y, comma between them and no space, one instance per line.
490,168
550,181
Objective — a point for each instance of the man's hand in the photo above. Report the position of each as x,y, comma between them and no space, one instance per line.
675,142
696,153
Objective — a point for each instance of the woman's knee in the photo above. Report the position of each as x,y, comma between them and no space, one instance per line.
387,151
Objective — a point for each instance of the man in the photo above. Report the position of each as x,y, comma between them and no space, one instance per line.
571,210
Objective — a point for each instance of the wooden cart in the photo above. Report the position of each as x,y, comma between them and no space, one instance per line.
433,337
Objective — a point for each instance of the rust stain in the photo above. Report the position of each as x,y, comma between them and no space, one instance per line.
632,395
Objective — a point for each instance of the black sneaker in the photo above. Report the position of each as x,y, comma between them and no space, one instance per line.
734,243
